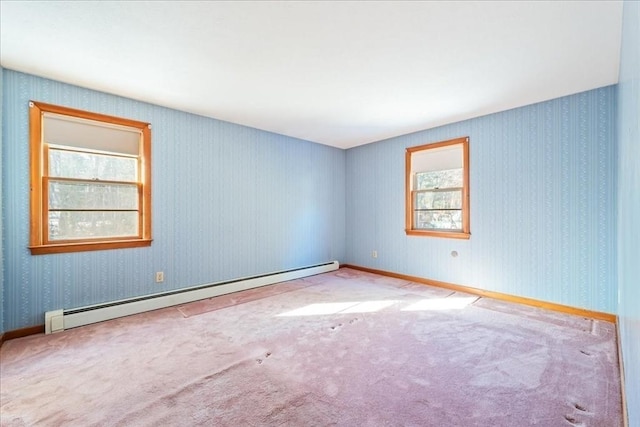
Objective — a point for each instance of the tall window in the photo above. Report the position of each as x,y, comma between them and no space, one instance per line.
437,189
90,181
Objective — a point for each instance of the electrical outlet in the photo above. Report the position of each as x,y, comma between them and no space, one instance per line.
159,277
374,254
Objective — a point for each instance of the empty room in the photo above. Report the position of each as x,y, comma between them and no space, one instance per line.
320,213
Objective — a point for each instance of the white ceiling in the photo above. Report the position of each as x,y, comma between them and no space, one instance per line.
337,73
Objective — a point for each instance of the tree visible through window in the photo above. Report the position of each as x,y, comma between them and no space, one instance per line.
90,178
437,199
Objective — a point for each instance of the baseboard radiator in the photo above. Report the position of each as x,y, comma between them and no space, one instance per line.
59,320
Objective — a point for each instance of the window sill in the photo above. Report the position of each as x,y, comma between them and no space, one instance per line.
445,234
58,248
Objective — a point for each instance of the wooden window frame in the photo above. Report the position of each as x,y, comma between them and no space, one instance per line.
465,233
39,206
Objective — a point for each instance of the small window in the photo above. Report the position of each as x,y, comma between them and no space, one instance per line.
437,189
90,181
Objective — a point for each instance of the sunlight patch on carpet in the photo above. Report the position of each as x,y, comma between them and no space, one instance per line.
339,307
441,304
431,304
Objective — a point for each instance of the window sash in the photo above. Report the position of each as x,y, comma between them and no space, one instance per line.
92,225
48,209
105,195
426,217
458,178
454,201
433,210
50,153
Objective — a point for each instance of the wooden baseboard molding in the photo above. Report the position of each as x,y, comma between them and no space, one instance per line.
495,295
19,333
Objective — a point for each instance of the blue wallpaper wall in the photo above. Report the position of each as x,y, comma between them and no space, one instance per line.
629,205
231,201
228,202
543,204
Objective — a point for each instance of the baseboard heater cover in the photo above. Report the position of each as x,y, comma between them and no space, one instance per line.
59,320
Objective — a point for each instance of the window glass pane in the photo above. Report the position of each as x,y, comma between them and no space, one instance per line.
67,225
438,220
73,164
88,195
439,200
450,178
